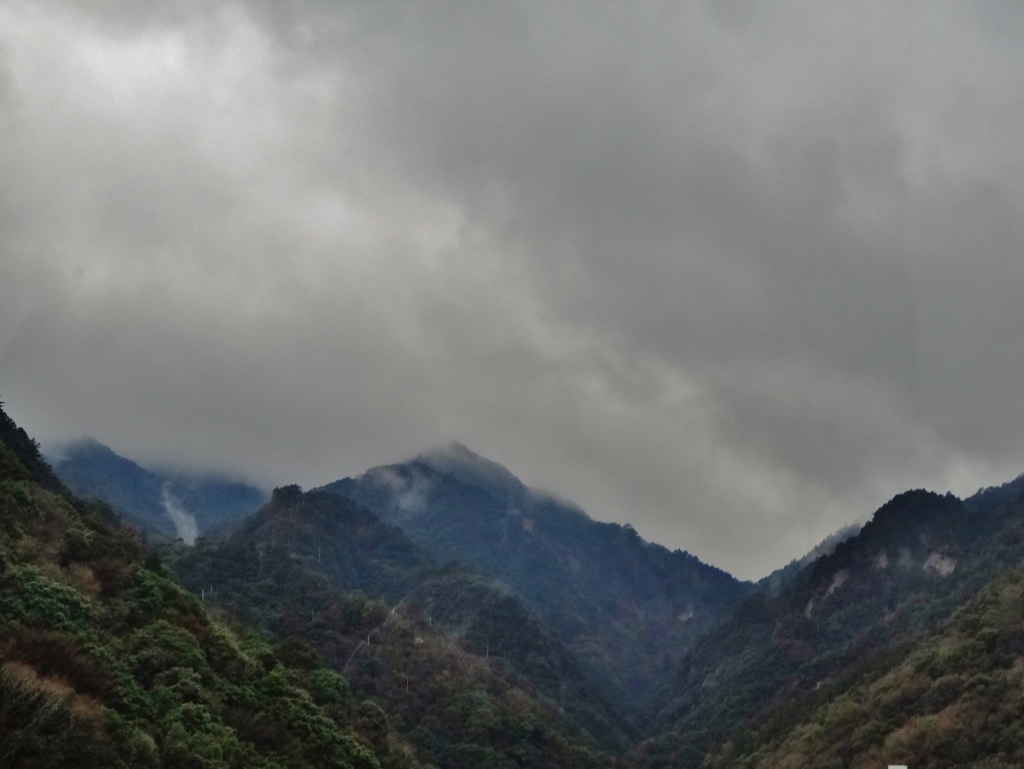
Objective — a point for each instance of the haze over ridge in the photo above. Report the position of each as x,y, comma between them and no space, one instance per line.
733,272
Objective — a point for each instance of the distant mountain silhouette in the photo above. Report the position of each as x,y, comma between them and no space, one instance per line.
279,657
949,697
628,608
171,505
310,549
779,578
920,558
474,622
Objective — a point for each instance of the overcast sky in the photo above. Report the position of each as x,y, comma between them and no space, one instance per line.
733,271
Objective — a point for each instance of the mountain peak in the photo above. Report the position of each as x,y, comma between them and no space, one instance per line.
85,446
458,460
171,505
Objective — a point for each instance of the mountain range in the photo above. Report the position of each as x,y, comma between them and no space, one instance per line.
108,659
175,505
626,607
438,612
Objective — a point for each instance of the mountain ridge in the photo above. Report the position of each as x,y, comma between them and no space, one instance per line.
311,548
920,557
173,505
551,603
623,604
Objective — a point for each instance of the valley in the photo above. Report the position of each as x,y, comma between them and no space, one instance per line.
466,620
511,385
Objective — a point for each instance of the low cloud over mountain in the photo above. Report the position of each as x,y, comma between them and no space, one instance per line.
742,269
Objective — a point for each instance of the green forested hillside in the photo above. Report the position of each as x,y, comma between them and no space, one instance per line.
954,699
105,660
496,624
919,559
418,637
316,634
626,607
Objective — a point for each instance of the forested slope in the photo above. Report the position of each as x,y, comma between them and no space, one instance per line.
105,660
419,637
314,633
953,699
626,607
920,558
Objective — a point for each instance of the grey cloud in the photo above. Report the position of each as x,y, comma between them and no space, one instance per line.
807,210
733,271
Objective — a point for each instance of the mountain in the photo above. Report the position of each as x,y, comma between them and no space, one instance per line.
105,661
779,578
318,566
21,460
991,497
336,538
176,506
317,633
626,607
951,699
920,557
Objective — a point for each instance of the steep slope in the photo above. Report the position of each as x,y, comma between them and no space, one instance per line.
336,538
626,607
21,460
106,662
778,579
496,625
954,699
316,565
920,557
169,505
991,497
